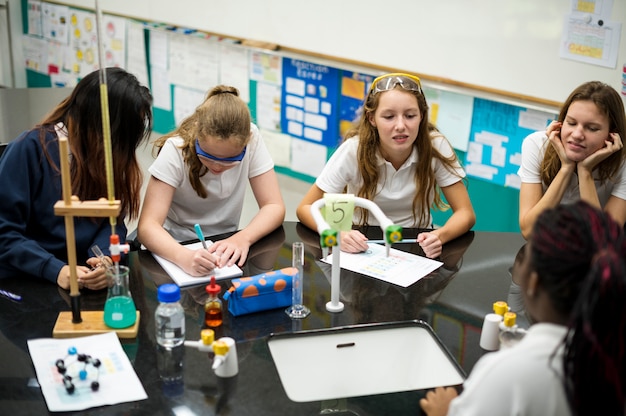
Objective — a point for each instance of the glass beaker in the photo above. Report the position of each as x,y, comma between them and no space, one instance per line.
119,308
297,310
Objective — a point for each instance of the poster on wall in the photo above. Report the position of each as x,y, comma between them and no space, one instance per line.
354,89
265,79
498,129
84,42
54,22
309,99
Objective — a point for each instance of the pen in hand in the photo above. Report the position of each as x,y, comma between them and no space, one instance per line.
201,238
200,235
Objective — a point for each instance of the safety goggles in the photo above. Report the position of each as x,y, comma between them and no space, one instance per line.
225,161
389,81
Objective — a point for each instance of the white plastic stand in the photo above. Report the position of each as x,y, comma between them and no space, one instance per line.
322,227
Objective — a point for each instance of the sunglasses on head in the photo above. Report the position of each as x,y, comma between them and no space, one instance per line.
388,82
226,161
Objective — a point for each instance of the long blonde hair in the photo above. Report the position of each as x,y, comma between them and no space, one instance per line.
222,115
424,178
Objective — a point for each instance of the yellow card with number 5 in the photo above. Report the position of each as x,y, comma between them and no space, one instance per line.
338,211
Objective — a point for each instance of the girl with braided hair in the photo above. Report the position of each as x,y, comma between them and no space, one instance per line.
199,177
572,361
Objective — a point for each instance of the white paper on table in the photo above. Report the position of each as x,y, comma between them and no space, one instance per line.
117,378
400,268
183,278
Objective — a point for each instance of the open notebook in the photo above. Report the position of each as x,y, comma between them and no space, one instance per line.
184,279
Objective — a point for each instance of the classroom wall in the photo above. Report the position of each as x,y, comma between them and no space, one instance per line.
507,45
458,55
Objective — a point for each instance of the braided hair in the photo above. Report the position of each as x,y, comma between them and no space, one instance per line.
579,254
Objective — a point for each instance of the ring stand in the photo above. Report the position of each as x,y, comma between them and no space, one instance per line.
71,324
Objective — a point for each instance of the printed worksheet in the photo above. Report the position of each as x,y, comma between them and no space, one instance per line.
87,360
400,268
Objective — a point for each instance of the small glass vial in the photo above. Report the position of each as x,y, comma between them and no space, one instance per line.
510,334
169,317
213,306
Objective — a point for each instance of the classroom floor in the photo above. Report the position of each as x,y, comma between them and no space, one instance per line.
292,189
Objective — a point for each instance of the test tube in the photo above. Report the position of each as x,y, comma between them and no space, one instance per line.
104,260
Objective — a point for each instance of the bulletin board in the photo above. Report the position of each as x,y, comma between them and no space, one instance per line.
502,46
304,101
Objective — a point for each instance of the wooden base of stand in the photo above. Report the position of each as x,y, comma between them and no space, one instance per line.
92,324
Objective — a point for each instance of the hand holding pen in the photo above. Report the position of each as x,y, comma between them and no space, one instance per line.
202,261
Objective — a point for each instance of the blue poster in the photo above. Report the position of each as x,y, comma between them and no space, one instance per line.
495,145
310,98
354,89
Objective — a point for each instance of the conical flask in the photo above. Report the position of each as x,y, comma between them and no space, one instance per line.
119,309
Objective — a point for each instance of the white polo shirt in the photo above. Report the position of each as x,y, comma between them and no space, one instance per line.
521,380
395,189
533,150
221,210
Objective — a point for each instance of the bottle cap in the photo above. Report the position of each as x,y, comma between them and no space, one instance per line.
213,288
168,293
220,347
509,319
207,336
500,307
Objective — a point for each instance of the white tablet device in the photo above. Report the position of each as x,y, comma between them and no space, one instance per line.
362,360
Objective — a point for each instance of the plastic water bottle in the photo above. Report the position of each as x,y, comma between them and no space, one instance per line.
169,317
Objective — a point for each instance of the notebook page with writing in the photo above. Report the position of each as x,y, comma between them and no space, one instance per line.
182,278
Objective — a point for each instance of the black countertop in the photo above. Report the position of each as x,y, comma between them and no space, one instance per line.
453,300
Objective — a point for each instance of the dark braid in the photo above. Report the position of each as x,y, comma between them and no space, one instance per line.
579,254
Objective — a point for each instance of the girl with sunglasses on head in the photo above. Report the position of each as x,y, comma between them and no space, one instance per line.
33,237
398,159
579,156
200,177
572,360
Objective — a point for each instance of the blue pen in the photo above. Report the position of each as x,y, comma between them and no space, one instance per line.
10,295
406,240
200,235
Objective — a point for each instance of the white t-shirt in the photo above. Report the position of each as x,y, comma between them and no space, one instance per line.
521,380
533,151
221,210
395,189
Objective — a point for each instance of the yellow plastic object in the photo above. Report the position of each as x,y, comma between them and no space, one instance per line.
207,336
500,307
509,319
220,347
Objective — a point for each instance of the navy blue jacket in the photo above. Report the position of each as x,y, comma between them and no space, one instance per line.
32,237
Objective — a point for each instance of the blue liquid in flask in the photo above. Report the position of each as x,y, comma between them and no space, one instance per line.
120,312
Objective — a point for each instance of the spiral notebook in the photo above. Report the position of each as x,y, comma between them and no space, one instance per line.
182,278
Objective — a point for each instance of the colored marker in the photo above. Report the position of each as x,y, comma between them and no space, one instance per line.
200,235
10,295
406,240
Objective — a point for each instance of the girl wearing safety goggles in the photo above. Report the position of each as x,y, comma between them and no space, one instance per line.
399,160
200,176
